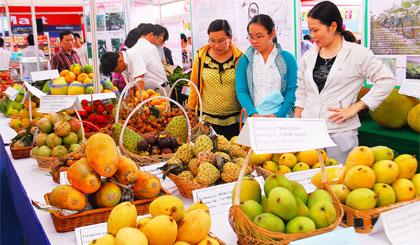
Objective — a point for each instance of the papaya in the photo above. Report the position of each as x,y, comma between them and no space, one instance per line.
127,171
67,197
108,195
147,186
102,154
82,177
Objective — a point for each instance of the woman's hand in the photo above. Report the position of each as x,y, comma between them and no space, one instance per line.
271,115
298,112
343,114
256,115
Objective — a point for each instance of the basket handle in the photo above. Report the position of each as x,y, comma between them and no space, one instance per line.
145,102
241,177
243,114
123,93
198,94
321,161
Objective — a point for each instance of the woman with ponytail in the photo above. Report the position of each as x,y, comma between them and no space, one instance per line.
330,76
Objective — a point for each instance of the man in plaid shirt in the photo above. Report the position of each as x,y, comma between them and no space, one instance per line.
67,56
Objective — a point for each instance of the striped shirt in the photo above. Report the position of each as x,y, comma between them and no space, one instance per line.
62,61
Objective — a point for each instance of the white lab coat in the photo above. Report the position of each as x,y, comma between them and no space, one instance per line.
353,64
5,56
30,51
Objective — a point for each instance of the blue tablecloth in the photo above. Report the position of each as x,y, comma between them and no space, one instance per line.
14,197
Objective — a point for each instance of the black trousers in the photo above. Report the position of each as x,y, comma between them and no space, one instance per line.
227,131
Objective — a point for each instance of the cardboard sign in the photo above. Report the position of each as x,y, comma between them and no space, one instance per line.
38,93
12,93
101,96
304,177
410,87
279,135
346,236
63,178
219,198
44,75
402,224
153,169
55,103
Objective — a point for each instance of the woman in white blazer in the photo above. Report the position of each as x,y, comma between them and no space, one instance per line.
330,76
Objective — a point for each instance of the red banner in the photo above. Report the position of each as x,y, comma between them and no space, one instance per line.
47,19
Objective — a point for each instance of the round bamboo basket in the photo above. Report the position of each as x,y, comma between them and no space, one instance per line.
249,233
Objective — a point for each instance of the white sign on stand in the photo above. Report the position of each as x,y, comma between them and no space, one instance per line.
55,103
346,236
304,177
153,169
401,225
410,87
12,92
44,75
219,198
38,93
279,135
63,178
101,96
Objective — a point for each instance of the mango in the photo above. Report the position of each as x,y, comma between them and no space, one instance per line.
129,236
194,227
288,159
386,171
334,175
107,196
250,190
141,222
67,197
270,166
407,164
107,239
276,180
146,186
122,215
302,209
102,154
270,222
299,191
258,159
161,229
404,189
127,170
416,183
264,204
283,169
361,199
360,176
208,241
330,162
309,157
382,153
300,166
167,205
361,155
317,196
322,214
413,118
384,193
282,203
341,191
300,225
198,205
251,209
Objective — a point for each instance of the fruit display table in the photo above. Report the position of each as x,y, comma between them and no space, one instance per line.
27,182
403,140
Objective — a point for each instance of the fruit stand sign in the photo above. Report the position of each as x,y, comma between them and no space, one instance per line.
410,87
338,236
44,75
279,135
218,198
56,103
12,92
101,96
63,178
153,169
38,93
401,225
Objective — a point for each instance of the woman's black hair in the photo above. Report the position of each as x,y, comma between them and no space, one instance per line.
327,13
147,28
132,38
264,20
164,31
108,63
183,37
220,25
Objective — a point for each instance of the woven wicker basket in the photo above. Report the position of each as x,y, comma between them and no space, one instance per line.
151,159
69,223
363,221
214,237
185,186
249,233
263,172
19,153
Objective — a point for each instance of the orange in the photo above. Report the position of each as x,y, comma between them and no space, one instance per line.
70,112
90,75
107,91
156,102
145,95
81,77
150,91
70,77
63,73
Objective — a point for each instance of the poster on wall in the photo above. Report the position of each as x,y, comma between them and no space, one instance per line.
394,35
174,42
110,25
238,13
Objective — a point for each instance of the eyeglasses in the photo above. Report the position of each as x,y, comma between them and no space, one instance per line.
258,38
212,42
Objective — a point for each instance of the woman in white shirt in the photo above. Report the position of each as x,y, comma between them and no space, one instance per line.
330,76
266,74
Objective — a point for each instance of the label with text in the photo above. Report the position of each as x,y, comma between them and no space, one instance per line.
11,92
410,87
101,96
63,178
56,103
219,198
38,93
86,234
44,75
153,169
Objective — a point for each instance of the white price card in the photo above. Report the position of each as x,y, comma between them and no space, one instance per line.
346,236
63,178
410,87
38,93
12,92
304,177
219,198
44,75
402,225
101,96
279,135
55,103
153,169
